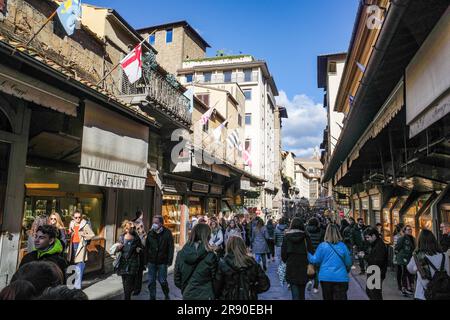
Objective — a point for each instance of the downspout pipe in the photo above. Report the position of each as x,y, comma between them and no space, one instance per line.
390,25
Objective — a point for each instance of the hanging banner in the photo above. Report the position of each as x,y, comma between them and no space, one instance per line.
114,150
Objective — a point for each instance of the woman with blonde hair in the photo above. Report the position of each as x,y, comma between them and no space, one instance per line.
239,276
335,262
55,220
196,266
128,263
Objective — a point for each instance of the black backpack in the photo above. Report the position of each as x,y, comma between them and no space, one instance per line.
244,288
439,286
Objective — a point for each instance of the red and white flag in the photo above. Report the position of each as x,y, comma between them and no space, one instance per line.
247,158
205,117
132,64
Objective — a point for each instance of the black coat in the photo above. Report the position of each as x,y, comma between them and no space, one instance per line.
234,283
316,235
159,247
195,272
445,242
378,256
55,258
294,254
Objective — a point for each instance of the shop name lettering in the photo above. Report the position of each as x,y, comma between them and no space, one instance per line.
117,181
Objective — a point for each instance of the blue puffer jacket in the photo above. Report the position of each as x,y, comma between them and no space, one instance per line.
332,268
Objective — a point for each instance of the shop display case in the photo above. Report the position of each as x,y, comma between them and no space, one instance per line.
388,226
410,215
445,212
212,207
171,212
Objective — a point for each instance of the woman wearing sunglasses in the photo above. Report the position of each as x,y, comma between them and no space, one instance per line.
80,233
56,221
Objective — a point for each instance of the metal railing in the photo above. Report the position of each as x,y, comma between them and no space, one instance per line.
155,86
220,78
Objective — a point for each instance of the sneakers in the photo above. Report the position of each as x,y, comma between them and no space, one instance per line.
353,267
309,285
316,291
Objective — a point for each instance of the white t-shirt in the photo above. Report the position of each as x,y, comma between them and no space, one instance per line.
436,260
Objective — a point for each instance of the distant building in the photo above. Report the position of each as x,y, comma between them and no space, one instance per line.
310,180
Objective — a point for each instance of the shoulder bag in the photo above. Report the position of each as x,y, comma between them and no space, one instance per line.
342,259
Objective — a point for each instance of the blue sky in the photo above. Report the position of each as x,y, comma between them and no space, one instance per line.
288,34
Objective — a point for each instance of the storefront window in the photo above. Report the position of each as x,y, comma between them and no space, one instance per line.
195,207
410,215
49,190
171,212
212,207
396,210
365,210
387,225
445,212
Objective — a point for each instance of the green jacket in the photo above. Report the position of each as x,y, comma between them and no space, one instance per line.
195,271
404,249
53,254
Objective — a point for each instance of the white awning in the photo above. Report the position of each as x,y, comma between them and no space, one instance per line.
33,90
428,81
114,150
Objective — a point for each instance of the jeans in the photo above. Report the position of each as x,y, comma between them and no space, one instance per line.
407,278
278,253
398,269
128,282
261,257
298,291
80,266
334,290
157,271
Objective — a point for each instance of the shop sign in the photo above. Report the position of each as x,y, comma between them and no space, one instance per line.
216,190
175,186
245,184
194,199
376,202
365,203
169,197
200,187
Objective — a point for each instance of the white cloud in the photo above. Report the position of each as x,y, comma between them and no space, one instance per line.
303,130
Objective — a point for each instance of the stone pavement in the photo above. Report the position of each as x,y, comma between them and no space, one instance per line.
276,291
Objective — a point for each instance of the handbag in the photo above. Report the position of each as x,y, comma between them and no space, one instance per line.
310,270
282,273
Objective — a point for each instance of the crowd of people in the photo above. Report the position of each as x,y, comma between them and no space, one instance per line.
43,271
228,259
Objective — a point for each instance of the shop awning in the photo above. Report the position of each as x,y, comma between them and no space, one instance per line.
30,89
388,111
114,150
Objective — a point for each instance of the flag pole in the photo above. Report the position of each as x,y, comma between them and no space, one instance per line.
118,64
42,27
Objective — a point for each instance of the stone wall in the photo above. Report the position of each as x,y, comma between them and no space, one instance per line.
82,52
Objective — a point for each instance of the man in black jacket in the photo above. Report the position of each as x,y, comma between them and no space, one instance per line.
159,251
377,255
48,248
